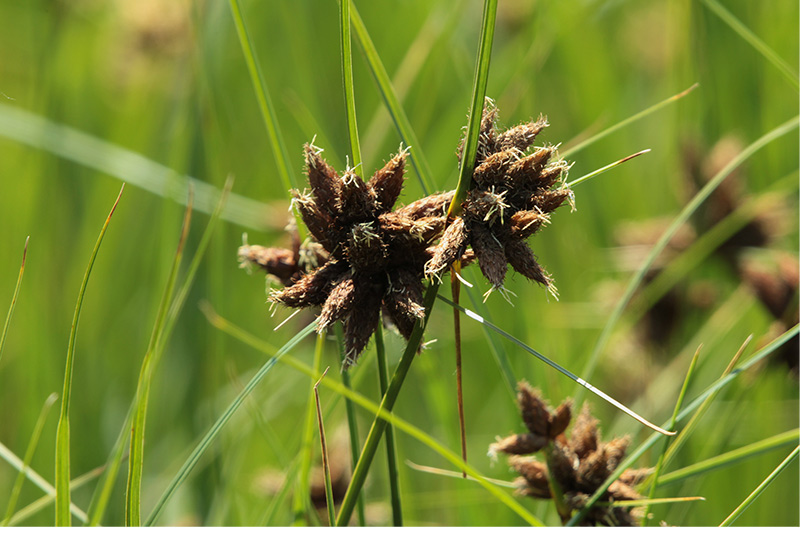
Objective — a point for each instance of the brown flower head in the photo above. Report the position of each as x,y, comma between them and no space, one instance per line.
510,199
375,256
578,465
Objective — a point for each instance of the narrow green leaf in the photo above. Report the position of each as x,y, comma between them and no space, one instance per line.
326,468
608,167
396,110
264,100
347,79
761,47
760,489
34,441
214,431
14,298
63,517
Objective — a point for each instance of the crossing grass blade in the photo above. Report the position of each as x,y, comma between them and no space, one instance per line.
682,217
14,298
760,489
382,413
711,390
34,441
63,516
213,432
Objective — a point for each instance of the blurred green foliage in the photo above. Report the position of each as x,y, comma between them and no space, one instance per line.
167,80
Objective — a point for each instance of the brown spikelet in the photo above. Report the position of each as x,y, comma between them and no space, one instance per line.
560,420
534,474
388,182
490,253
519,444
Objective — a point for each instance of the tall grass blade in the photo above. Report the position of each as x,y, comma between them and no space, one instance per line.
760,489
761,47
214,431
136,459
37,433
732,457
481,79
712,389
678,404
396,110
391,453
682,217
608,167
382,413
326,468
583,383
63,517
37,479
264,101
347,79
14,298
630,120
133,168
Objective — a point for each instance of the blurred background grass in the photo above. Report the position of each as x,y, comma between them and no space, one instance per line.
167,80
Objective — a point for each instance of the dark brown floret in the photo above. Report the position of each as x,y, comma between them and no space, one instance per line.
510,199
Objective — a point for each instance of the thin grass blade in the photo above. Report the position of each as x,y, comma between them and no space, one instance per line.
326,468
14,298
63,517
760,489
34,441
214,431
608,167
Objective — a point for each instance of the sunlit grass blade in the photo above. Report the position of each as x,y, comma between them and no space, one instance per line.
302,505
382,413
732,457
133,168
136,459
481,80
608,167
649,502
630,120
456,474
43,502
214,431
747,34
326,468
583,383
63,517
396,110
34,441
682,217
161,335
711,390
264,101
14,298
678,404
760,489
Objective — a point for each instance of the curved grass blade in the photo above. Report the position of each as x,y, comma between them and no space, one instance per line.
682,217
326,469
630,120
212,433
396,110
43,134
711,390
14,298
456,474
760,489
583,383
37,433
136,458
467,165
264,100
608,167
63,517
747,34
103,491
732,457
660,463
42,502
382,413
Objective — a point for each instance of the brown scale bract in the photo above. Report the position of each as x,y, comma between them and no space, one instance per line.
375,257
510,198
578,464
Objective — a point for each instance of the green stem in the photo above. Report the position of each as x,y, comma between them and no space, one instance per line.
391,454
379,424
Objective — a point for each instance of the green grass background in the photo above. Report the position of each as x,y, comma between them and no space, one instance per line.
168,80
